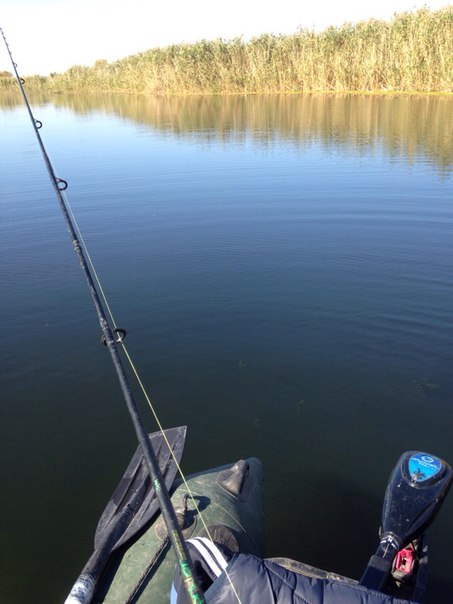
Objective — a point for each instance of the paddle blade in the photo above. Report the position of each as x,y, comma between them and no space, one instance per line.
135,489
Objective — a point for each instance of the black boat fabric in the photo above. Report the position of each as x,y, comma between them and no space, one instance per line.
258,581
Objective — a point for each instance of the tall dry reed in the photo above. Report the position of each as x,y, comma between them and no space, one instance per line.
412,52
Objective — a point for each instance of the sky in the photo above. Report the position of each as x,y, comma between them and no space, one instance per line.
52,35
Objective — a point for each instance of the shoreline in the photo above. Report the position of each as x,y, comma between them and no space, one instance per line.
142,93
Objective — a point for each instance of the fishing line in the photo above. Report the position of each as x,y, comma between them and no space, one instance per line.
181,473
151,406
87,264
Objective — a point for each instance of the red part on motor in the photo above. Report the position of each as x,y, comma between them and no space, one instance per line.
405,560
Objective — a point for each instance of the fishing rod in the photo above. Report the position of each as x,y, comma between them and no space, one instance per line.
83,589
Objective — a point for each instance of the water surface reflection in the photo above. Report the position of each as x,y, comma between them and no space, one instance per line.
413,127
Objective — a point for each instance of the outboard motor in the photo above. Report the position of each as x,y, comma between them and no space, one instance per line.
415,492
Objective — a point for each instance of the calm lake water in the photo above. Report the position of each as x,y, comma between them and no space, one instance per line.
283,266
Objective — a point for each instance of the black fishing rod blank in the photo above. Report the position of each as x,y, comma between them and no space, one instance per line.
83,589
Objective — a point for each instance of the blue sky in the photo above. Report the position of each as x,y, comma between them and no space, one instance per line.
52,35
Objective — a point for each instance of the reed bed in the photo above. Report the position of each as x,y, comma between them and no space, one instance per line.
411,53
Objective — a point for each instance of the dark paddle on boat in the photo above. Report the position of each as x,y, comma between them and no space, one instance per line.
131,506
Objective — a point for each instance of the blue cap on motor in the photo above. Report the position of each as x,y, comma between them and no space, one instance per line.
423,466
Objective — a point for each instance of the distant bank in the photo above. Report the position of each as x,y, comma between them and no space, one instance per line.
411,53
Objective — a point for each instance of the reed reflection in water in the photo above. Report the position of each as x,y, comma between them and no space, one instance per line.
403,126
